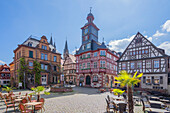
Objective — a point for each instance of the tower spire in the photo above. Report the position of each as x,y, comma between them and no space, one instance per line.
66,52
51,40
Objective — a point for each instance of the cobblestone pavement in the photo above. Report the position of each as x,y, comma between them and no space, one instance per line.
81,100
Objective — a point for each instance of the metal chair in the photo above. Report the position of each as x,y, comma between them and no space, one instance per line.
111,106
122,107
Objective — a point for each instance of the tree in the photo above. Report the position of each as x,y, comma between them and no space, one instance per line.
37,71
118,92
125,79
7,89
23,71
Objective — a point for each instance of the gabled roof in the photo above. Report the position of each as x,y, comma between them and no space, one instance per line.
35,42
139,34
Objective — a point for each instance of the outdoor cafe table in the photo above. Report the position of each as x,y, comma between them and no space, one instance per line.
33,104
156,110
117,98
118,102
157,102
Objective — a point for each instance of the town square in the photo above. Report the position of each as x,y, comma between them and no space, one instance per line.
85,56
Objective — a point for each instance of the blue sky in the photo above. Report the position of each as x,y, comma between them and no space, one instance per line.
118,21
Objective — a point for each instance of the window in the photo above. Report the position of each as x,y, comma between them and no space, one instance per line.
143,51
31,54
88,55
144,79
45,47
83,65
88,65
42,56
161,79
103,53
168,78
88,45
146,51
81,79
42,66
55,59
86,37
30,44
102,63
46,67
46,57
95,64
80,66
148,64
156,64
132,65
31,64
108,65
84,56
83,47
156,81
42,46
107,79
133,52
95,54
95,78
139,65
140,52
55,68
123,66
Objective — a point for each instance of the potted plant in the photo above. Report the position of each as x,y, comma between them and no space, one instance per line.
8,89
125,79
118,92
37,92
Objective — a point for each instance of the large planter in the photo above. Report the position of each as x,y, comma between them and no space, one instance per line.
61,89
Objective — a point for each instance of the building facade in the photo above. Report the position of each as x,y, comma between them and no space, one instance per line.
43,52
4,75
96,65
69,66
143,56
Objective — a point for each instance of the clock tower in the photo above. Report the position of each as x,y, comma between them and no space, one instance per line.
89,30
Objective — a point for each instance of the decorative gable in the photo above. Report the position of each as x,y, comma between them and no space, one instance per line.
140,47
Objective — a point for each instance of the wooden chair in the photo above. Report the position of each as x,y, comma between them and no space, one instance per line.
41,106
23,109
30,97
122,108
110,106
1,96
23,101
145,105
9,105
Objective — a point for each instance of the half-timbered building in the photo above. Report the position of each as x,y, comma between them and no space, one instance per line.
143,56
95,63
69,66
4,75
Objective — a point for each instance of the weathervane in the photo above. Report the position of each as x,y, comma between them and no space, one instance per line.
90,9
103,39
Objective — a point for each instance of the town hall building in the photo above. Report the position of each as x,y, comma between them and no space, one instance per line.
96,64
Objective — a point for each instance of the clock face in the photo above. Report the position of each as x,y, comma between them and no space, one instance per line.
86,30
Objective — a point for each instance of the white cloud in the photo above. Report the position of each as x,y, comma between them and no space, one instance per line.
158,34
2,62
120,45
166,26
74,52
166,47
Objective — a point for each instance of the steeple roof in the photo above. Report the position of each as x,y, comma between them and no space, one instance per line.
51,40
66,47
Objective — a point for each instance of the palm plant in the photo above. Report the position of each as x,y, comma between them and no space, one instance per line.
118,92
125,79
38,90
7,89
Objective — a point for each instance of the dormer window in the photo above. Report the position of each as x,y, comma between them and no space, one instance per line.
83,47
30,44
88,45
